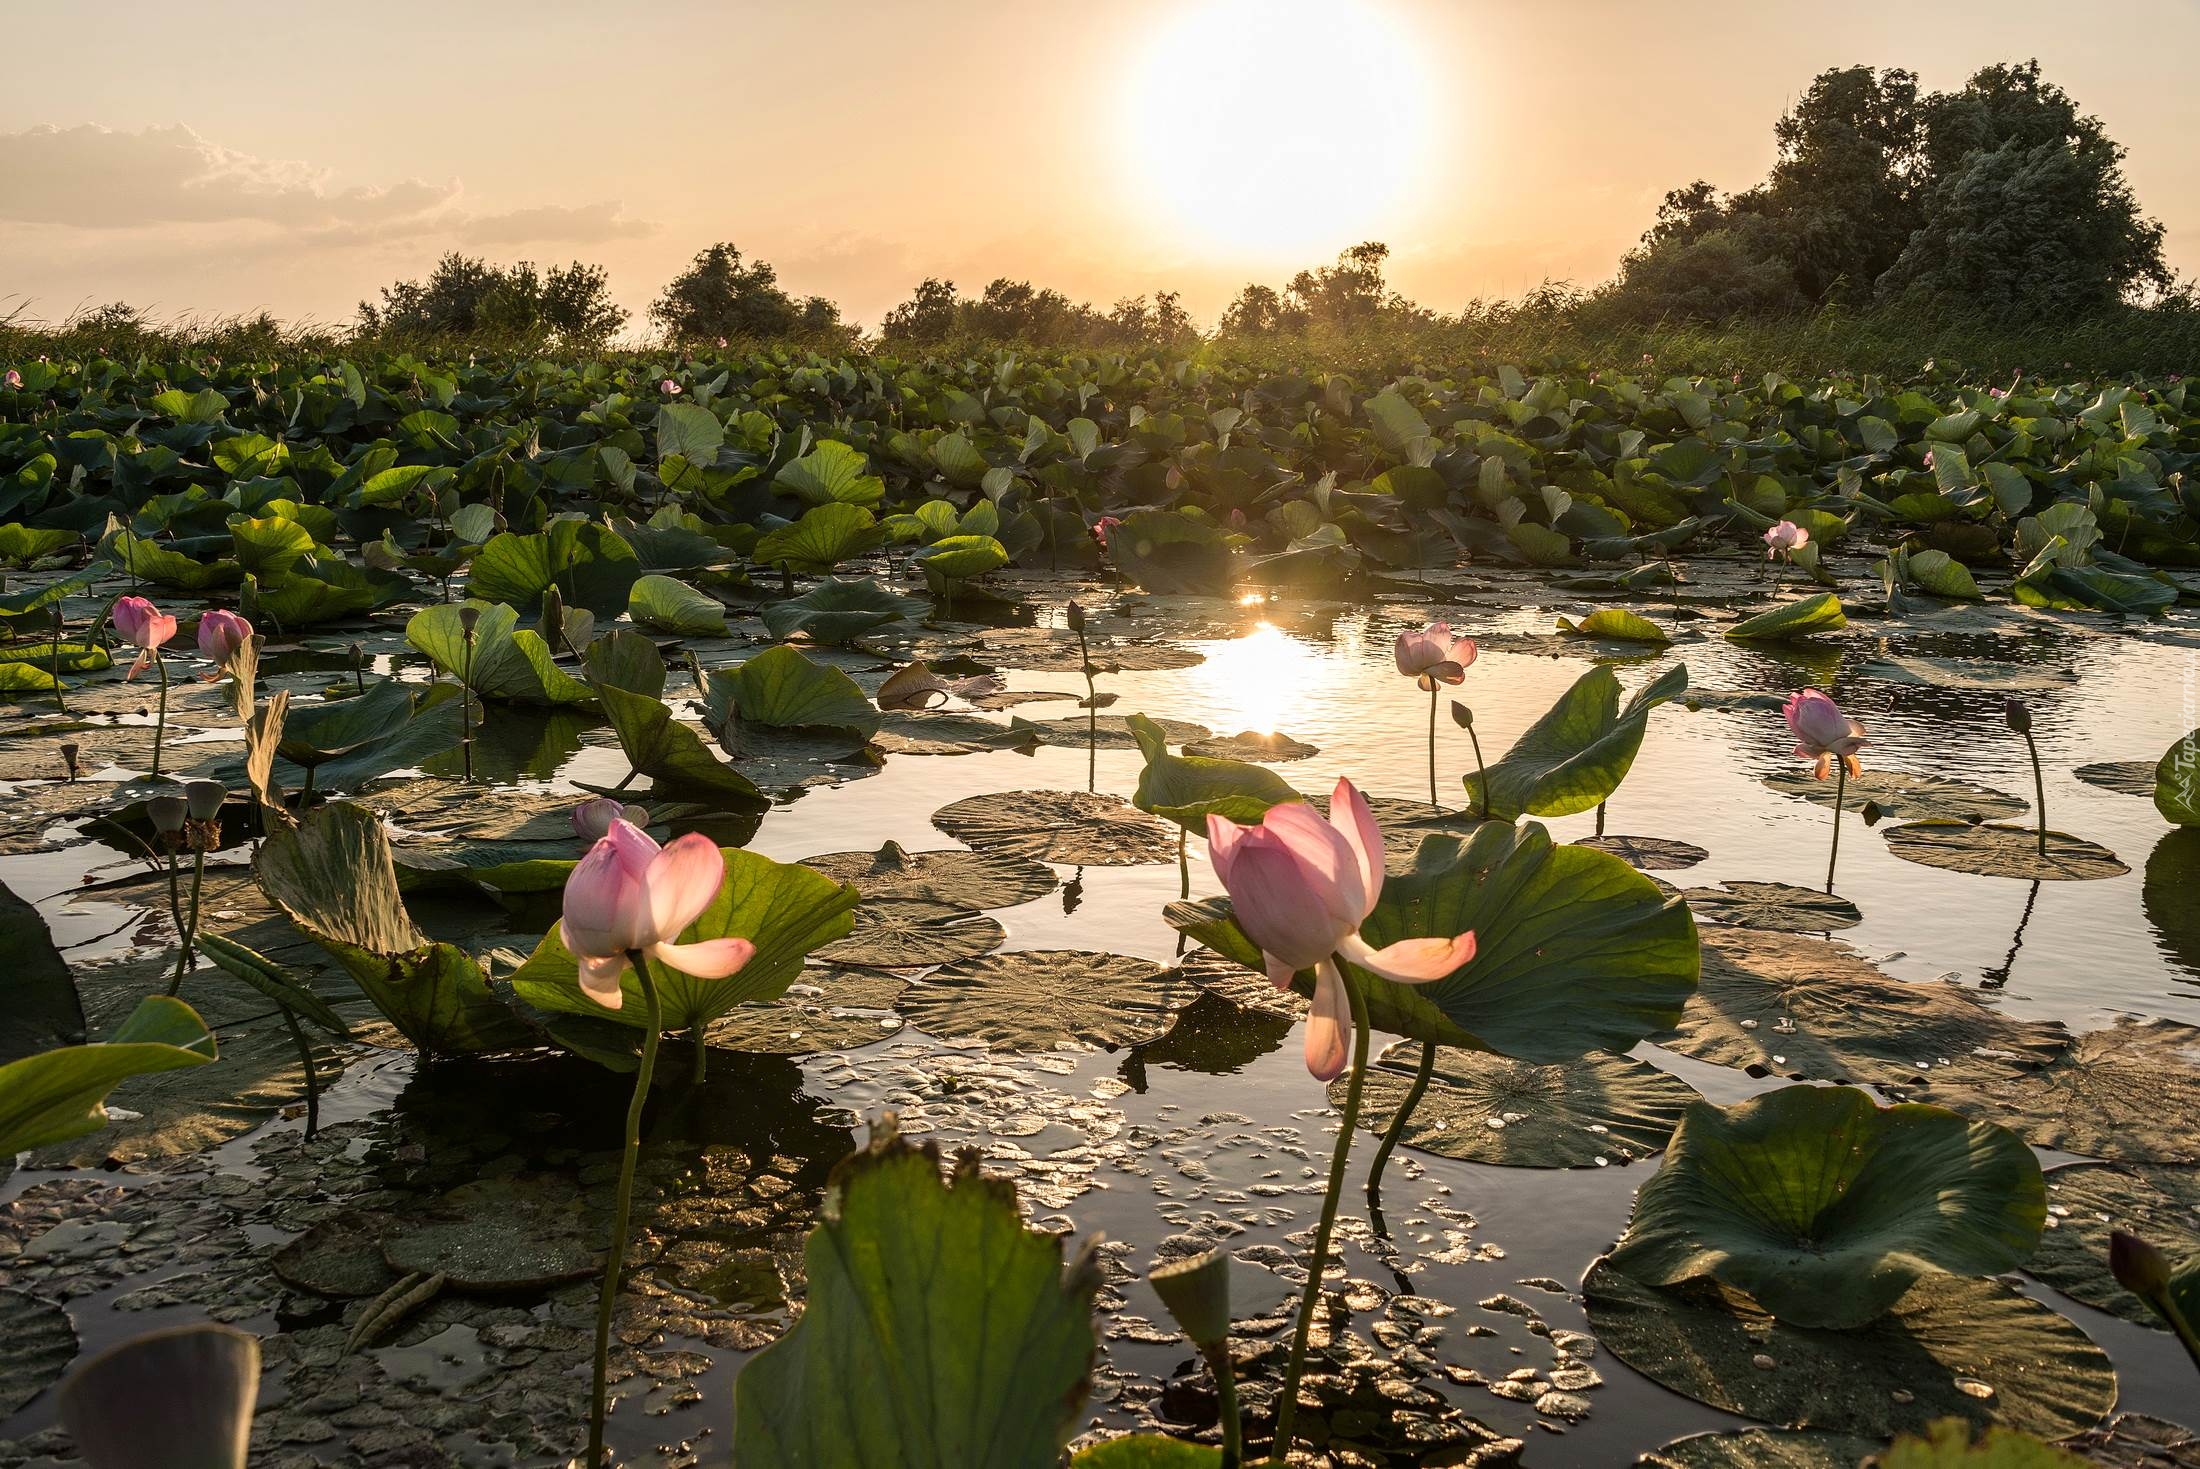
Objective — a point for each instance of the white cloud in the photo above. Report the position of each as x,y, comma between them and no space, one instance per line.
584,224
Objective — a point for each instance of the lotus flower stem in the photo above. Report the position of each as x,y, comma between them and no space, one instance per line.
186,931
1840,789
59,621
313,1080
1183,863
466,706
160,722
1287,1406
1434,693
623,1205
2039,787
1398,1121
700,1067
1225,1374
1600,818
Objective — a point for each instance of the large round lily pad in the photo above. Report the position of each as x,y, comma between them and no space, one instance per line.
1053,650
1071,828
1048,999
945,874
1108,732
1273,748
37,1342
497,1235
2125,777
341,1256
2003,851
1953,1346
1485,1108
1243,988
2085,1201
1787,1005
823,1010
913,933
1904,796
1776,907
1969,674
2127,1093
1762,1448
1825,1207
1648,854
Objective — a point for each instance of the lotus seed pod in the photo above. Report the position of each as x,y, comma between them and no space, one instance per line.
168,814
469,617
204,798
1197,1293
70,750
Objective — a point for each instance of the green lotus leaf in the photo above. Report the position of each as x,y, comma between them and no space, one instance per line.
1576,755
831,473
1825,1208
625,659
837,611
158,564
268,548
670,605
507,662
899,1264
1617,623
435,728
21,545
1941,575
825,536
272,980
786,910
1186,789
321,589
17,677
679,765
1168,554
1948,1445
1575,950
1147,1451
691,431
781,689
959,559
41,1006
53,1096
1803,618
204,406
590,566
314,734
2177,782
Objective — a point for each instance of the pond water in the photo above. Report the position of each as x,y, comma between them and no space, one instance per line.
1214,1135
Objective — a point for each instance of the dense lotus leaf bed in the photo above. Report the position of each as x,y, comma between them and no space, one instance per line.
717,623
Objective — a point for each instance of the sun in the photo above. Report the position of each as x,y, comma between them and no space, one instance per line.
1279,130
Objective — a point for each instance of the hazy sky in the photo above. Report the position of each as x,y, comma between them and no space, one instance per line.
225,156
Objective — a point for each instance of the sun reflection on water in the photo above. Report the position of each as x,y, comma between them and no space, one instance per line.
1265,679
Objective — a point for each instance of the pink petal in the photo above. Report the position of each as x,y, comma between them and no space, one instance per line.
1463,653
1328,1027
1411,961
1223,839
1349,814
1280,972
1444,672
707,959
606,911
682,880
600,980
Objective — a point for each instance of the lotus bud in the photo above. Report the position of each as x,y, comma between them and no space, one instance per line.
2019,717
1461,715
168,814
1874,813
203,798
2138,1266
592,819
1076,616
553,616
1197,1293
70,750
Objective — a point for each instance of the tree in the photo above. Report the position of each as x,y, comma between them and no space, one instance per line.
719,296
1350,294
1844,188
1018,311
926,318
465,297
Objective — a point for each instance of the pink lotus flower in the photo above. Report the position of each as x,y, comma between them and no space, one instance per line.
1432,655
592,819
629,894
13,379
669,388
144,627
1102,526
1301,887
1823,733
1785,539
221,634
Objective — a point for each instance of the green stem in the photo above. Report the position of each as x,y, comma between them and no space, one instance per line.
1434,693
623,1208
699,1070
59,622
2039,788
160,724
1840,789
1225,1375
305,793
1398,1120
466,708
1183,863
183,929
1287,1406
313,1080
2165,1306
1600,818
1481,771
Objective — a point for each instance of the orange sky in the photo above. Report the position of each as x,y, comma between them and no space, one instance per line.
226,157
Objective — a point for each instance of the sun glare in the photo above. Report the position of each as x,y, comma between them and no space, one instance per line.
1276,128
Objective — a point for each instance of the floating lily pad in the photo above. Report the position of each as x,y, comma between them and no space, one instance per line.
341,1256
1109,732
1048,999
1776,907
1970,674
1052,650
912,933
1484,1108
1806,1008
2085,1201
1826,1207
949,734
1242,988
1072,828
2003,851
496,1235
1648,854
2124,777
823,1010
1904,796
945,874
1762,1448
1249,745
1953,1346
37,1342
2127,1093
